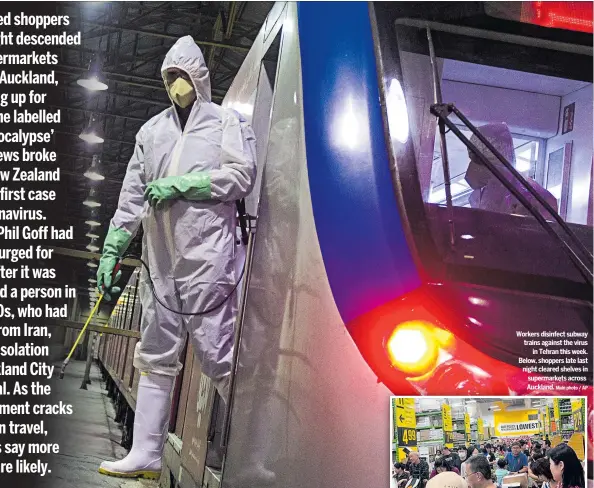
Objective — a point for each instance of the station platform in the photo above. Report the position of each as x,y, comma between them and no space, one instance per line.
86,437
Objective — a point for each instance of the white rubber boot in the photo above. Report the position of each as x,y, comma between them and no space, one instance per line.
151,422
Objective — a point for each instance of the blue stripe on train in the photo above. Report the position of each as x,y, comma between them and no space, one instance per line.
365,252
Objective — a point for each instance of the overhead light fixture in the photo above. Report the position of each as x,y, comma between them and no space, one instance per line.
91,201
93,248
91,235
92,280
94,79
93,223
93,134
91,264
93,173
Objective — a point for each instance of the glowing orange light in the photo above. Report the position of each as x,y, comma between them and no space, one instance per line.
414,346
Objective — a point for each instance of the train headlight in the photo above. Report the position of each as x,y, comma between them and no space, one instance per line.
413,347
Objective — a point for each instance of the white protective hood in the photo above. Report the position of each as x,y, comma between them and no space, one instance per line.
187,56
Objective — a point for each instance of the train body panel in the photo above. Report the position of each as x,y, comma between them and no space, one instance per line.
303,390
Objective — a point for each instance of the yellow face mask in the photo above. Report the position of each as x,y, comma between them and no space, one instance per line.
182,92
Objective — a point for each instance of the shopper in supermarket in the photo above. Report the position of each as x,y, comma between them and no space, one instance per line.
478,473
488,192
471,451
566,467
540,471
489,455
400,475
535,456
447,479
537,451
441,466
451,458
462,453
418,468
525,446
501,470
191,163
517,461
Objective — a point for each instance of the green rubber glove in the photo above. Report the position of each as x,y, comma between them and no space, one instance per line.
116,243
192,186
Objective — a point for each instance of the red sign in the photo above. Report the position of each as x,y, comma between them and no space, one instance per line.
575,16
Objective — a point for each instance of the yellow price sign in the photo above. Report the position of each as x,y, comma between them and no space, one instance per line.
556,411
448,438
402,456
407,437
446,414
467,429
404,413
577,410
480,429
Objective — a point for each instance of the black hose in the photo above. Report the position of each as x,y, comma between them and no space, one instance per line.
205,312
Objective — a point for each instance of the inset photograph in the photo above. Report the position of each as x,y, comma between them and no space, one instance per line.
505,442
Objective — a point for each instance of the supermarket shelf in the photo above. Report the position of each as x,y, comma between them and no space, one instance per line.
429,413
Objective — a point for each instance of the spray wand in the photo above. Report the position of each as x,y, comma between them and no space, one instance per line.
82,332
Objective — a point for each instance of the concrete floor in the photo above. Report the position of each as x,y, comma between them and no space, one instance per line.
86,437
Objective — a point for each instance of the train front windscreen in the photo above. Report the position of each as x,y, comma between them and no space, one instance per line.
531,97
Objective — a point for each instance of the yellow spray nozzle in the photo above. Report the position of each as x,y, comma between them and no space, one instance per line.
93,311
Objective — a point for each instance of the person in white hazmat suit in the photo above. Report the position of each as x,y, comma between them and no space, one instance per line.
190,164
489,193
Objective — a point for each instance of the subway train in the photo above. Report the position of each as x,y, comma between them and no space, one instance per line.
371,269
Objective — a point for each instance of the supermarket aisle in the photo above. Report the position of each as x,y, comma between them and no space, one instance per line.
87,437
439,434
